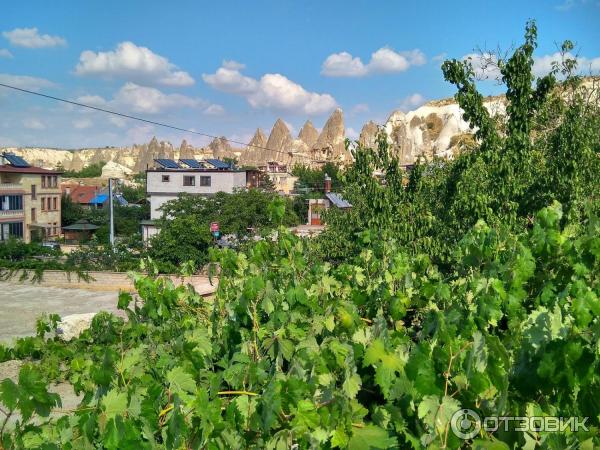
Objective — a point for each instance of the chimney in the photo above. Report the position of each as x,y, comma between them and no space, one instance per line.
327,183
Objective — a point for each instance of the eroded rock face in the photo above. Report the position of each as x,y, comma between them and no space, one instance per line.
115,170
368,134
330,145
279,143
220,148
186,151
252,155
428,131
308,134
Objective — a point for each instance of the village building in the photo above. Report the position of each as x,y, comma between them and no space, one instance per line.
283,181
316,206
30,200
189,176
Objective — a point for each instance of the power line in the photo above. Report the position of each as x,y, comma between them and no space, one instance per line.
152,122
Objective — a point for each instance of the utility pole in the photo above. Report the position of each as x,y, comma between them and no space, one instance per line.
111,214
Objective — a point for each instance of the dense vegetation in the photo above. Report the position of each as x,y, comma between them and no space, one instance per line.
185,225
471,284
310,184
93,170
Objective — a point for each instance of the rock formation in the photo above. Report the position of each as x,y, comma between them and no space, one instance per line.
279,143
186,151
368,134
308,134
220,148
252,154
330,145
113,169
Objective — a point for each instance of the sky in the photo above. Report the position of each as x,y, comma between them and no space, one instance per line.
226,68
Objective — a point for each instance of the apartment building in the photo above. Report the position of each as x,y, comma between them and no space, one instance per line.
189,176
29,200
283,181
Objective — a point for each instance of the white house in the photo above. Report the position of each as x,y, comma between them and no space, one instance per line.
171,179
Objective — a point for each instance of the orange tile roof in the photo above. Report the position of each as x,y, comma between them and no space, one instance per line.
80,193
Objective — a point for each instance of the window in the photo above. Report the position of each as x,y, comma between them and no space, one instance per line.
54,181
204,181
11,202
33,214
11,229
43,181
55,203
43,203
166,178
189,180
33,194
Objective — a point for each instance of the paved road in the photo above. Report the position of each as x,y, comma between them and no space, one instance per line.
21,305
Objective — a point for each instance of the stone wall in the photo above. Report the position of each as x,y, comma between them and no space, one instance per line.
105,281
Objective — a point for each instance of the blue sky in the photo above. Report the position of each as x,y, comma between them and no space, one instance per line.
226,68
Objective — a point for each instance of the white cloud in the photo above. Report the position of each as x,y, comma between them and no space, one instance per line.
143,99
542,65
412,101
230,80
439,57
4,53
485,65
30,38
273,91
131,62
151,100
385,60
82,124
25,81
214,110
118,121
231,64
33,124
92,100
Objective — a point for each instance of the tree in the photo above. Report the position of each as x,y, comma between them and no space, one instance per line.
241,214
70,212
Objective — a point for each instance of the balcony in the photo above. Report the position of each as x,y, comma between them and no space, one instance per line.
11,213
10,187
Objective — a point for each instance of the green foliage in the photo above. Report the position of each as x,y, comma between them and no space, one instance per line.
310,179
92,171
185,234
545,148
70,212
378,352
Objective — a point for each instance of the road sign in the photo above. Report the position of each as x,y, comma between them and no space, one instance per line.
214,226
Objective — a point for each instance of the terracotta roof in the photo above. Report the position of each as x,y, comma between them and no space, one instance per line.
80,193
11,169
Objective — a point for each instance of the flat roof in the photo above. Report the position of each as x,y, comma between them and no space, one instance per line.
162,169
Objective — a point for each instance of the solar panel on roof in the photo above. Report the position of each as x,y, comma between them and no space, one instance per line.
218,164
194,164
16,161
168,163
